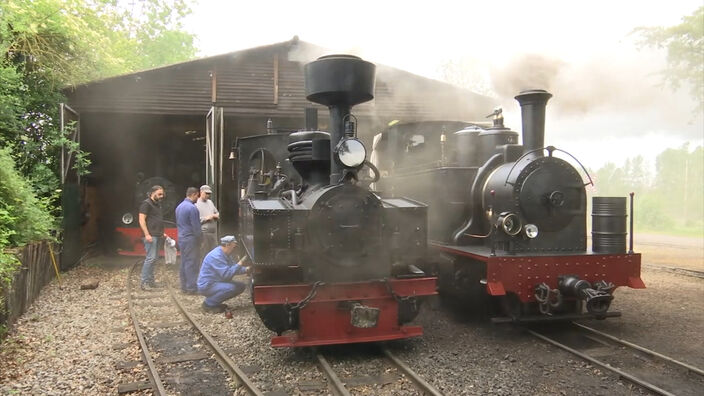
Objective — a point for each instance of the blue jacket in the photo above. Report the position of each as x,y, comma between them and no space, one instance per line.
187,220
218,267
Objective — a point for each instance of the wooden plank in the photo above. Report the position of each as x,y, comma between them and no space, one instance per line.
370,380
163,325
310,386
133,387
127,365
121,345
186,357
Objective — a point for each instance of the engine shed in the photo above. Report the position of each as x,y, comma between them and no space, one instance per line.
179,122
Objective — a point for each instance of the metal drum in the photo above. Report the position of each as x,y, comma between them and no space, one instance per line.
609,224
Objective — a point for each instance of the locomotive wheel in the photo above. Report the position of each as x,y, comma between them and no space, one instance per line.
276,318
511,306
408,310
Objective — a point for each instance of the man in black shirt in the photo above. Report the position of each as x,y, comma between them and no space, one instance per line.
151,221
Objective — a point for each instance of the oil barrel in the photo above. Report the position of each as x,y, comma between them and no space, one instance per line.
609,225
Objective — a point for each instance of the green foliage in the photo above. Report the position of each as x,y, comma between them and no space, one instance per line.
671,201
23,216
50,44
685,52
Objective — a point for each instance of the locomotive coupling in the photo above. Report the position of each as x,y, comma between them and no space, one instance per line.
597,298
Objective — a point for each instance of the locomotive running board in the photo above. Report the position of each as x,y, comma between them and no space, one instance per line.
553,318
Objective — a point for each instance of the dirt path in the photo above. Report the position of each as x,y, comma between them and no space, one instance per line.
671,251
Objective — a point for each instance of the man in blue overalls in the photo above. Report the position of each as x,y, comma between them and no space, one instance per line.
215,279
189,234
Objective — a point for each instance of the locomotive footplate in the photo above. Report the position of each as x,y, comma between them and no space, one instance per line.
520,275
337,313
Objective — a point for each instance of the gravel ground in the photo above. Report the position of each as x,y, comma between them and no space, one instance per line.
70,341
246,340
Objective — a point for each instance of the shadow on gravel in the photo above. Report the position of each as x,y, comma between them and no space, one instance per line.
111,262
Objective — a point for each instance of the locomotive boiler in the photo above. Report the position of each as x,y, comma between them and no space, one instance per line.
510,220
333,262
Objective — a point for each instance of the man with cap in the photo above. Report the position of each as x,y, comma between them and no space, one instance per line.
215,281
209,216
189,235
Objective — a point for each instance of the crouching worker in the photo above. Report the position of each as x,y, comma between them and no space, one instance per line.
215,280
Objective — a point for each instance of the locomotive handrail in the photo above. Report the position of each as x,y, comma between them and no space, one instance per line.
550,150
377,174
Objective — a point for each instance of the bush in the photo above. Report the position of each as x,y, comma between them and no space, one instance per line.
23,217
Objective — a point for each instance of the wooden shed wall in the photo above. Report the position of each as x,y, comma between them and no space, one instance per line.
263,81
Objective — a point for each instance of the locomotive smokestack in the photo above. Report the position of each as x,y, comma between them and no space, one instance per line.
339,82
533,104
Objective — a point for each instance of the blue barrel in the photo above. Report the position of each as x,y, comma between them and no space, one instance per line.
609,225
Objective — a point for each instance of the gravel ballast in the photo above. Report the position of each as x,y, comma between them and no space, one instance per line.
71,341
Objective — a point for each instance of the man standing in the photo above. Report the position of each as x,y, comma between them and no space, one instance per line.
151,221
208,220
215,279
189,235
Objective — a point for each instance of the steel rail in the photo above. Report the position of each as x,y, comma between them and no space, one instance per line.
239,375
420,382
642,349
622,374
335,381
154,378
676,270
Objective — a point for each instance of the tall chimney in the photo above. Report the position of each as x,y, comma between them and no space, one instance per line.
533,104
339,82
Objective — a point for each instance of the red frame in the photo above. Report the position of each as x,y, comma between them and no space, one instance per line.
520,274
322,321
134,235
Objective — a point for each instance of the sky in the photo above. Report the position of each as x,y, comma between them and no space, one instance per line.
607,102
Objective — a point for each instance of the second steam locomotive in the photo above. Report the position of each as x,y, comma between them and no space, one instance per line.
510,220
333,262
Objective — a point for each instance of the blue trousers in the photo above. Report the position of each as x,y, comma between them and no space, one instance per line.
152,249
190,252
218,292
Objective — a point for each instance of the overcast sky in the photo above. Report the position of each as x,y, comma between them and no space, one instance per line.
606,106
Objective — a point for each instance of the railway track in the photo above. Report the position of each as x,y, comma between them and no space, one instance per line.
357,377
659,374
392,383
677,270
187,349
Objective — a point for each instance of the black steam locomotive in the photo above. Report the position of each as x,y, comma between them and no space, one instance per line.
333,262
509,220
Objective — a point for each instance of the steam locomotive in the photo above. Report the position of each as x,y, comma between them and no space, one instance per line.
333,262
509,220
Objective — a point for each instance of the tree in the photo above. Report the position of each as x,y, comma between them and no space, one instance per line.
50,44
685,52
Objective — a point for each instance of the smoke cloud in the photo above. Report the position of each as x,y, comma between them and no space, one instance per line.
623,91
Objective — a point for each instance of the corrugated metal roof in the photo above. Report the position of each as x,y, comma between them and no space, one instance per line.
266,81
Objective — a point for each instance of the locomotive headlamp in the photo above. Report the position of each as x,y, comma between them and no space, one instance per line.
127,218
531,230
510,223
351,153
